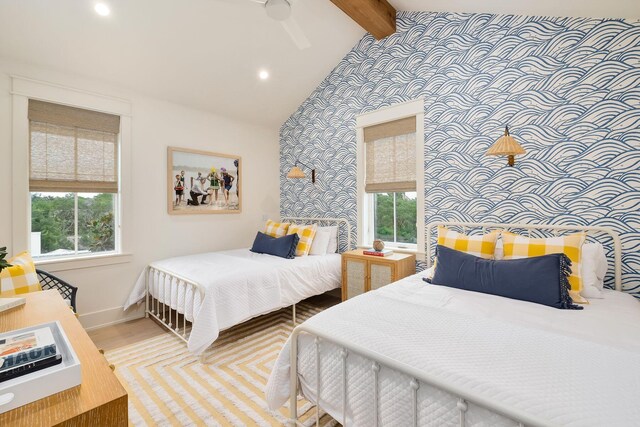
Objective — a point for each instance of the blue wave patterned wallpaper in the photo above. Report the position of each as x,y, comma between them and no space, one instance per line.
569,89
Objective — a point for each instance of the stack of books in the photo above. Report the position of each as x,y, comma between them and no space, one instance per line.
373,252
27,352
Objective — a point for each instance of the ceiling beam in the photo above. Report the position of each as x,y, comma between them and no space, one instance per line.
377,17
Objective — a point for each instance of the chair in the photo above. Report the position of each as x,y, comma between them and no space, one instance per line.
49,281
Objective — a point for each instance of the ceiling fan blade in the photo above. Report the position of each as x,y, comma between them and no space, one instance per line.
295,32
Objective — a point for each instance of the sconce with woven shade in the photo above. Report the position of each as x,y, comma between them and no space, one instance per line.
506,145
296,172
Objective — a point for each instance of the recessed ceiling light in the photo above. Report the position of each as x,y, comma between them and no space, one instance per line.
263,74
102,9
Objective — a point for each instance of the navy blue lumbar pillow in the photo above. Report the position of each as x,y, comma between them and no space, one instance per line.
284,247
542,279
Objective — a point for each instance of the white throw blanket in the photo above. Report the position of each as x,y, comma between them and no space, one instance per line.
238,285
568,367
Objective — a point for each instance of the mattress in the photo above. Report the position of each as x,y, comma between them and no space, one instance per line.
237,285
565,367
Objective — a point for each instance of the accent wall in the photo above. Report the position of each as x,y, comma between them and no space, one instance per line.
569,89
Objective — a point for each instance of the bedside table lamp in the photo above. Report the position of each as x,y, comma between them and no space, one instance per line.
506,145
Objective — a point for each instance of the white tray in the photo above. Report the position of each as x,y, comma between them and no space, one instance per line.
31,387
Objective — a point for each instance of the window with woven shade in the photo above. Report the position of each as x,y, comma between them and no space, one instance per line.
390,152
390,180
72,149
73,180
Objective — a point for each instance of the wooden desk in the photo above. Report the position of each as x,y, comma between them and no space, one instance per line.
99,401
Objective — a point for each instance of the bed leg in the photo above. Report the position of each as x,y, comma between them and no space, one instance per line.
293,379
294,315
146,300
203,357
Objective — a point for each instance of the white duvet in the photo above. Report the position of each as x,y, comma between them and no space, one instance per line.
238,285
568,367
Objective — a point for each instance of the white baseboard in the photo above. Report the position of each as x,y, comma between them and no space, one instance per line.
110,316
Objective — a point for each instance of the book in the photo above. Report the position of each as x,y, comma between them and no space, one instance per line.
30,367
7,303
373,252
26,347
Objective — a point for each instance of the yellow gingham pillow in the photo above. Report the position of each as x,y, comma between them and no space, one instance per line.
516,247
482,246
20,278
276,229
306,234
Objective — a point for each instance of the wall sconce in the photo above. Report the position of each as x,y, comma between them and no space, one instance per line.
296,172
506,145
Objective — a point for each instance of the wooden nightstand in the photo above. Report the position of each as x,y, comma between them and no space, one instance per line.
362,273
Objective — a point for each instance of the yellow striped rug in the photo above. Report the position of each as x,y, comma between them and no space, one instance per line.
169,386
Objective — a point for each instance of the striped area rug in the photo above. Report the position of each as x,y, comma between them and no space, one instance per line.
169,386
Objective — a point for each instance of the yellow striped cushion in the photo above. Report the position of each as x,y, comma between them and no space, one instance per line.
516,247
306,234
20,278
276,229
482,246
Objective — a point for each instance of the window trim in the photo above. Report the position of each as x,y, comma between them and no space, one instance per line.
364,201
23,89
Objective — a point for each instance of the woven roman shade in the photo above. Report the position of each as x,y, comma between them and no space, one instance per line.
391,156
72,150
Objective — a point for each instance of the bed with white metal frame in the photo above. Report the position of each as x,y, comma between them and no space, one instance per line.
170,317
378,360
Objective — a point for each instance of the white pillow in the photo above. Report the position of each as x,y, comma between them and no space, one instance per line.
594,268
320,241
333,240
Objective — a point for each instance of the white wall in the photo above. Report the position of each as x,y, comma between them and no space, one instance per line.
155,234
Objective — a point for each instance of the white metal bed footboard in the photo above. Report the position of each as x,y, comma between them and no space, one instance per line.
165,304
167,312
379,361
418,377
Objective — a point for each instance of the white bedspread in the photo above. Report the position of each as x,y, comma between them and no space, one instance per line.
568,367
238,285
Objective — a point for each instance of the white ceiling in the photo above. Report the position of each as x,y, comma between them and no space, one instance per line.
202,53
206,53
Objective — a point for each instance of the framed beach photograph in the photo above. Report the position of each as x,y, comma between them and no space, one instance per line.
202,182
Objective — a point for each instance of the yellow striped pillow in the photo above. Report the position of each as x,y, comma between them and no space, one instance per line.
516,247
306,234
20,278
276,229
482,246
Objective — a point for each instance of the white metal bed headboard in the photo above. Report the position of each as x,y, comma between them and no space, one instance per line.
554,229
331,221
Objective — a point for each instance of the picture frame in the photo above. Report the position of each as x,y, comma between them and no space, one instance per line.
211,182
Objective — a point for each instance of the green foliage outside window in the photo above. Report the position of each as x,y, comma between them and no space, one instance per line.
405,219
54,218
3,262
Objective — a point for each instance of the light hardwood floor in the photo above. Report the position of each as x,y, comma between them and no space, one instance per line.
122,334
133,331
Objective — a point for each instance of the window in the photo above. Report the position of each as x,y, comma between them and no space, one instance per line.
394,217
73,180
390,194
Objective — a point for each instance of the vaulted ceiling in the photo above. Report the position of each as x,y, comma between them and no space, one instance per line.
207,53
